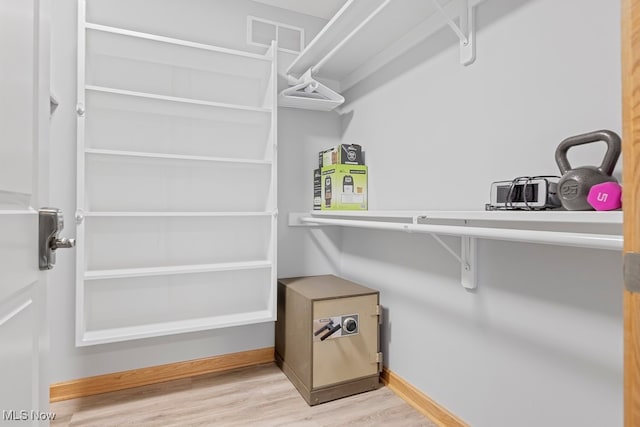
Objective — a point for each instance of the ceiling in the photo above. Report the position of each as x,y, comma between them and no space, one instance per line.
324,9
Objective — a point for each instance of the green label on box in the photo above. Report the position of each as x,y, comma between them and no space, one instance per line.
344,187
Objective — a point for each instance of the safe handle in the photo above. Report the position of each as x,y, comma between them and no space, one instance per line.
331,332
50,224
324,328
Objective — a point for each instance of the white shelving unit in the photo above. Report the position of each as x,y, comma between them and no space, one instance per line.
363,36
598,230
176,198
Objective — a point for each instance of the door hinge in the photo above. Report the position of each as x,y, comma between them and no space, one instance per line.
379,313
379,359
631,272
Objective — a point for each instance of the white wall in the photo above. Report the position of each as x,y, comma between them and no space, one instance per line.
218,22
540,341
302,134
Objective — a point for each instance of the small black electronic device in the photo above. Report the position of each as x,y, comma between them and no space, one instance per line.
525,193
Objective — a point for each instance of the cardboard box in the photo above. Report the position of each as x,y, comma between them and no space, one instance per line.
344,187
343,154
317,190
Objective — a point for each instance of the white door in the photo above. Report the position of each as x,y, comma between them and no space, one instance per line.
24,126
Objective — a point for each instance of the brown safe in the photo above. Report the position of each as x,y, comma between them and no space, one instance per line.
327,337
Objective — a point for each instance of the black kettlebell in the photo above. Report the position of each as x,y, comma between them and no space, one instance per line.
574,185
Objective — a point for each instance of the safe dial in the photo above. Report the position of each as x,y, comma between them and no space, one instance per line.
350,325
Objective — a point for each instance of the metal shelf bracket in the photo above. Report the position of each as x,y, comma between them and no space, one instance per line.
469,272
467,260
465,30
467,257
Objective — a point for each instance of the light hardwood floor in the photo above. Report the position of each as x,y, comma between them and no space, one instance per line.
256,396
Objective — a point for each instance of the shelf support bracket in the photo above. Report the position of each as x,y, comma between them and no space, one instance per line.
469,276
465,30
467,259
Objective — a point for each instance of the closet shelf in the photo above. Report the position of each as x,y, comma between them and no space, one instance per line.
582,240
169,40
173,270
418,222
173,214
586,217
174,156
504,225
363,36
175,99
103,336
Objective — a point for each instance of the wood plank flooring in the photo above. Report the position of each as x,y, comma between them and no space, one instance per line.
256,396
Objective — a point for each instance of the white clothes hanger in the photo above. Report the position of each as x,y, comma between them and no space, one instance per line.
310,94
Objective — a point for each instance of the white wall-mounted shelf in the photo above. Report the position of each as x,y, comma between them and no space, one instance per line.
515,226
147,125
96,151
552,216
174,41
363,36
173,270
180,69
104,336
172,214
174,99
